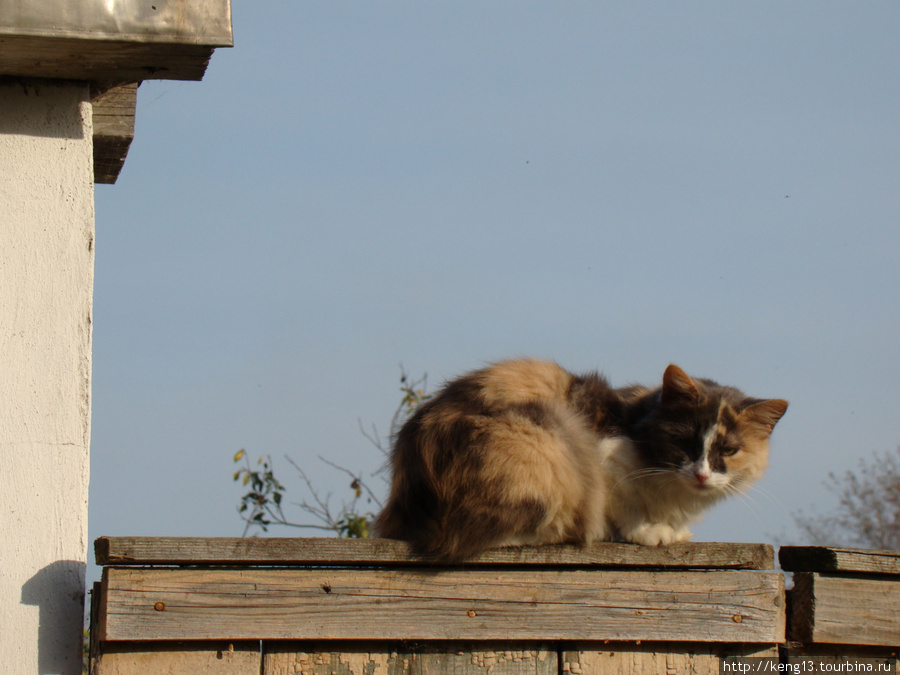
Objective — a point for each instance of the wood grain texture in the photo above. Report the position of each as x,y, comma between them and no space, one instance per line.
827,559
343,552
113,116
441,604
107,60
845,610
665,658
459,659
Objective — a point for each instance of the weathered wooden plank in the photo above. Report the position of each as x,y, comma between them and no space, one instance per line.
93,644
83,59
281,658
845,610
113,109
441,604
666,657
113,116
342,552
827,559
177,659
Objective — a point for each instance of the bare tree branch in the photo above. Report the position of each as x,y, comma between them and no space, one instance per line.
868,510
262,506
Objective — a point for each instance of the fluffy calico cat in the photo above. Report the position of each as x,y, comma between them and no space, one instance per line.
524,452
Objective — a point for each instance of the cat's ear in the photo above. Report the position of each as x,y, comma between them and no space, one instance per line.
762,416
678,386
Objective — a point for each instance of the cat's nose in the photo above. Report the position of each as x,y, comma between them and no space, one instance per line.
701,477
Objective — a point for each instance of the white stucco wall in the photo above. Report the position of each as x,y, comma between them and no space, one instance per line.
46,283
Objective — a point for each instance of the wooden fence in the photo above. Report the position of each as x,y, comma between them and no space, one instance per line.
366,607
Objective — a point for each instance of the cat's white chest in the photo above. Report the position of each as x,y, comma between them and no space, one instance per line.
649,506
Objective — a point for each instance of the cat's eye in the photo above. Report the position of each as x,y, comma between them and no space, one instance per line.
728,452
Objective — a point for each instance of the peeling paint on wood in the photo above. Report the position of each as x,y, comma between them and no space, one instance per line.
222,658
663,658
528,659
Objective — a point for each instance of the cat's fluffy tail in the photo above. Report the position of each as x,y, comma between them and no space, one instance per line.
414,512
436,523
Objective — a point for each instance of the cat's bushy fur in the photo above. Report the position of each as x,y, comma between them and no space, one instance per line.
524,452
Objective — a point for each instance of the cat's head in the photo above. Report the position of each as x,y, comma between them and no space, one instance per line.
713,439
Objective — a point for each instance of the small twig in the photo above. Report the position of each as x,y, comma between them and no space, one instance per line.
262,505
357,480
323,511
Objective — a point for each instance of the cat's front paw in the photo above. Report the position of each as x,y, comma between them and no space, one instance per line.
683,534
657,534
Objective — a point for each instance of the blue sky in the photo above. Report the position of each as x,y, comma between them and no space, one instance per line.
615,186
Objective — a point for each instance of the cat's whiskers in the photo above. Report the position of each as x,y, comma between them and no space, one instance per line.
746,500
748,494
662,477
639,474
